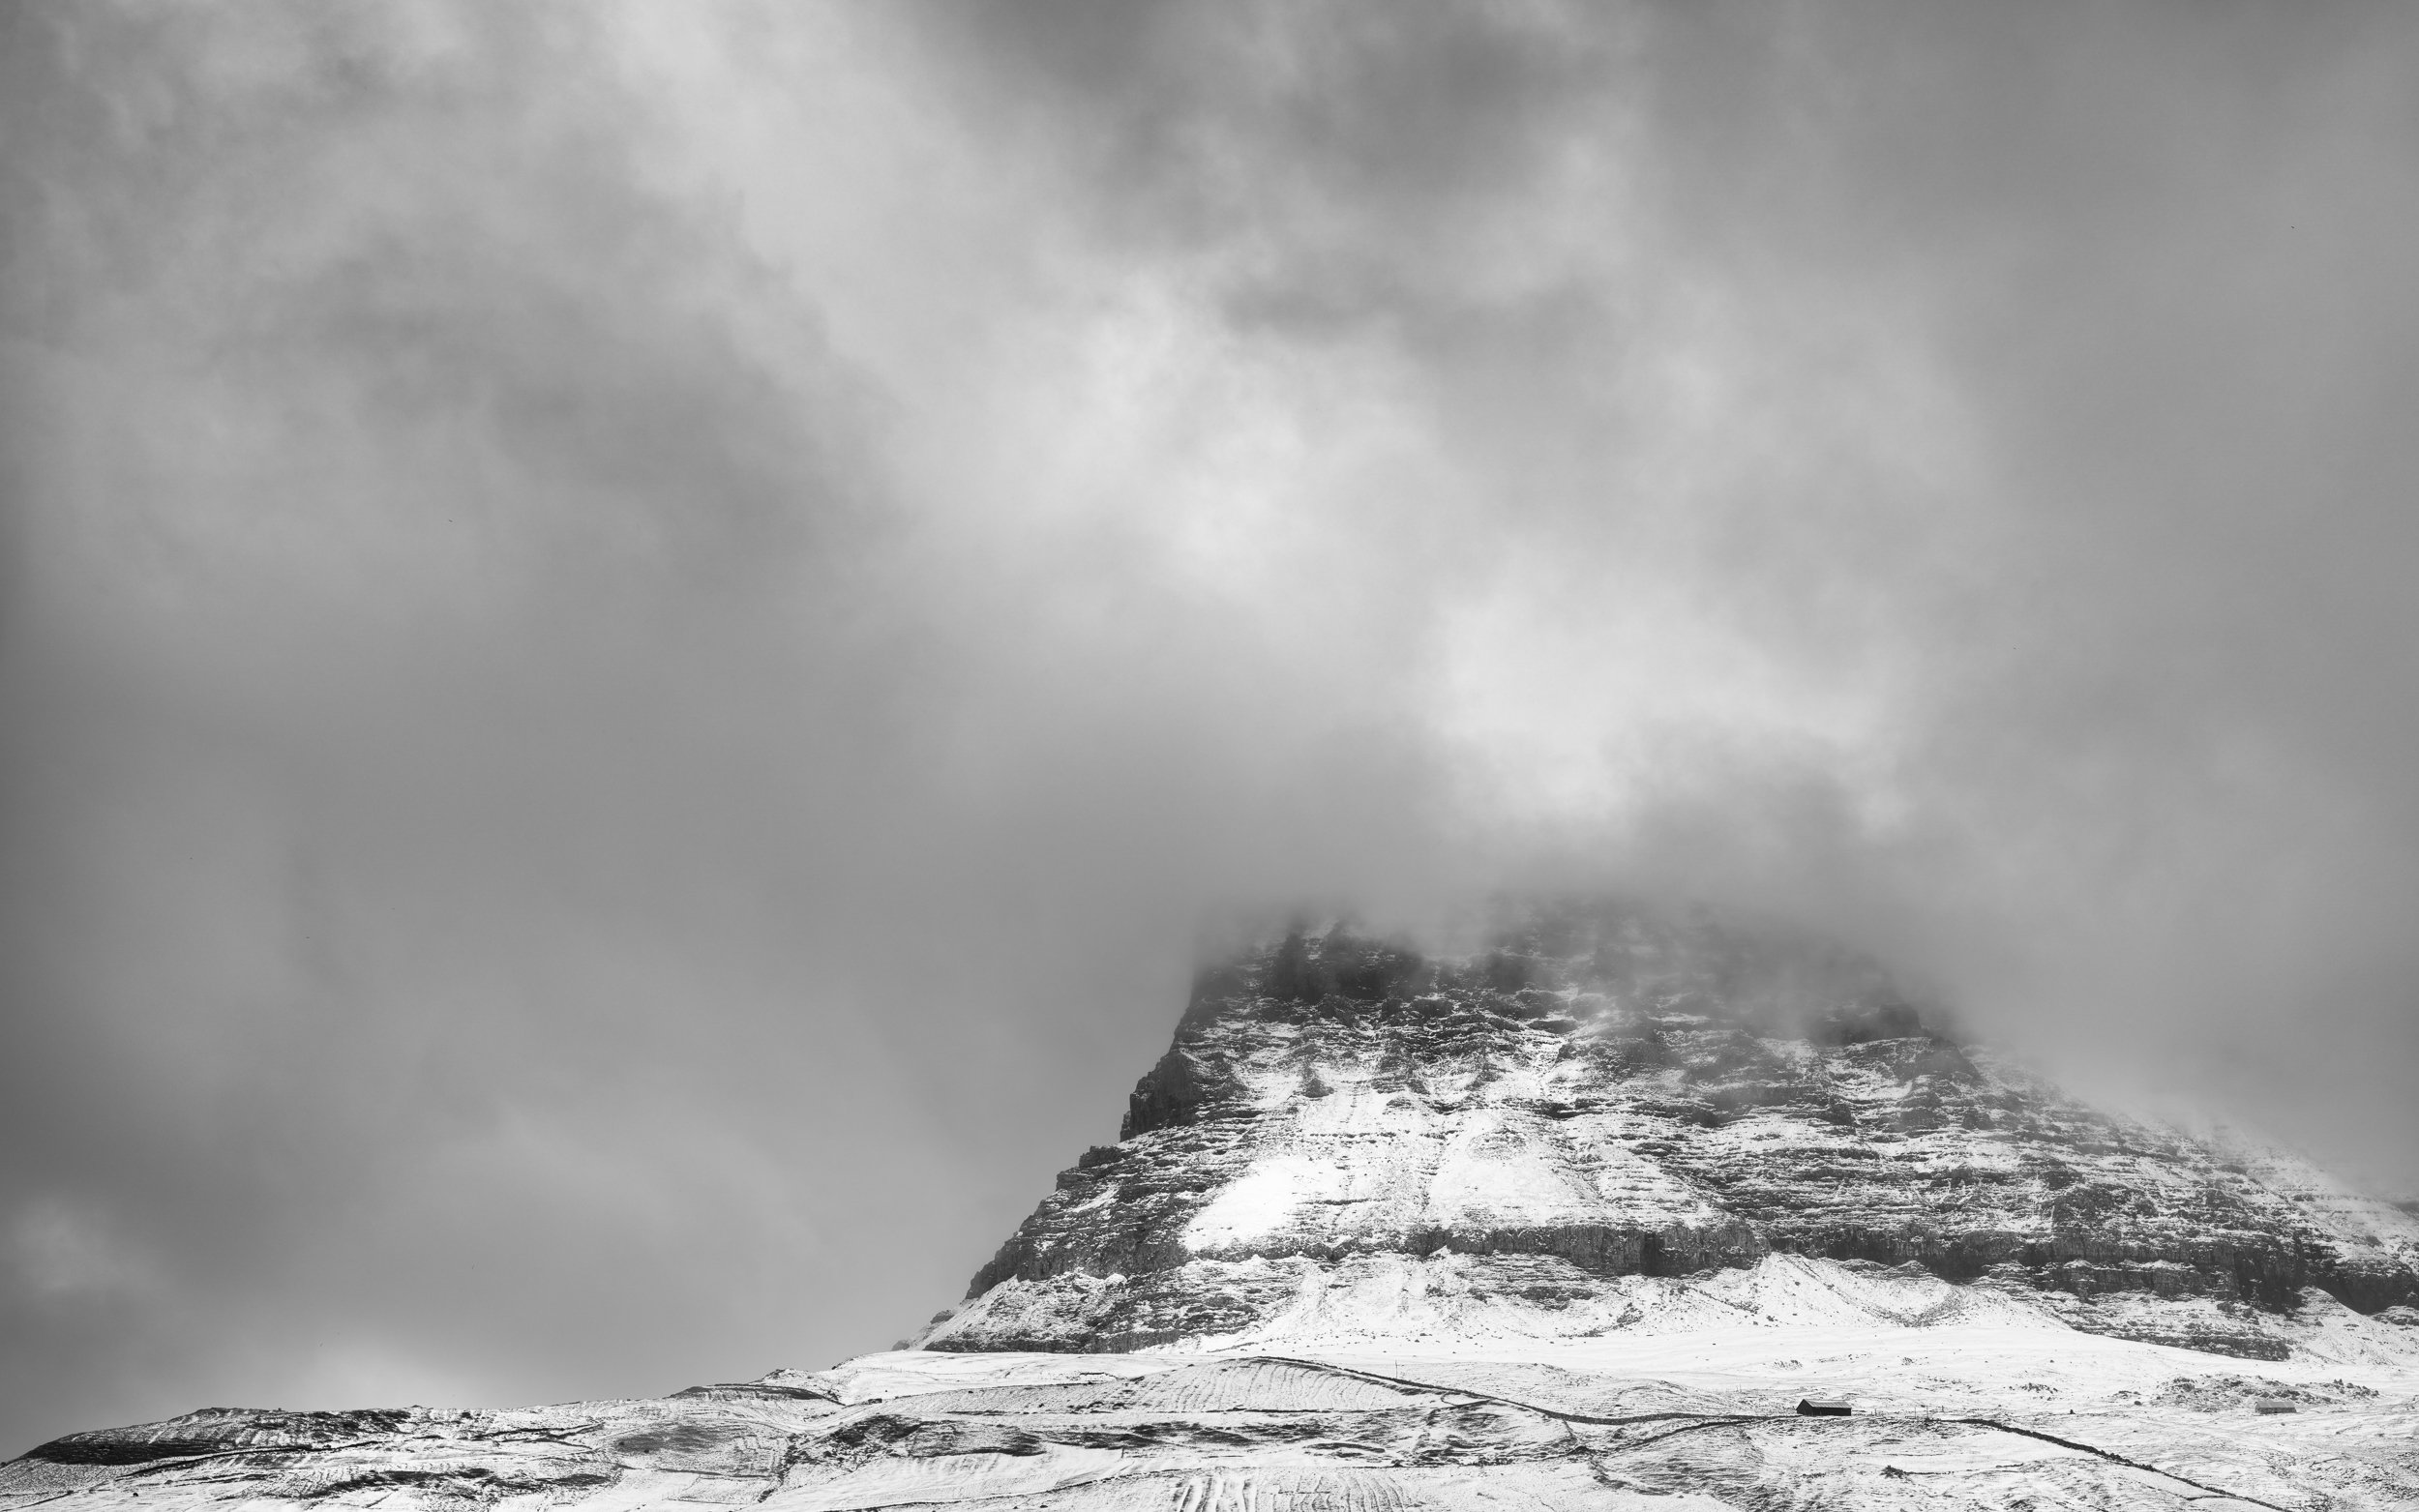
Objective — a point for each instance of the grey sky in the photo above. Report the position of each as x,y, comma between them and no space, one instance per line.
634,638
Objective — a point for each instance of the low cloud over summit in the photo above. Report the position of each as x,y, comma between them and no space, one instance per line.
634,638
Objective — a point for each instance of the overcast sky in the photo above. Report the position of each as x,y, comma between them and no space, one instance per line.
633,638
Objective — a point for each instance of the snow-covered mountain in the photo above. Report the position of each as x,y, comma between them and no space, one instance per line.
1349,1139
1575,1221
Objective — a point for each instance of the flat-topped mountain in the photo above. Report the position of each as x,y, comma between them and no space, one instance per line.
1349,1138
1575,1220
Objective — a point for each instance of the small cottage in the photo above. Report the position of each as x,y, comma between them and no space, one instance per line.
1822,1407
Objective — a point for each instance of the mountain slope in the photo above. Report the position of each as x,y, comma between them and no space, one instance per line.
1611,1094
1945,1415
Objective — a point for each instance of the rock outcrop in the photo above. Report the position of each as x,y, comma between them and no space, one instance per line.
1613,1093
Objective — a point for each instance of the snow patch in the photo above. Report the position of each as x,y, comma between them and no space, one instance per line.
1260,1201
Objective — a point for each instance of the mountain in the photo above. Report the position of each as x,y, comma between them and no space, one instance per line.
1351,1140
1574,1220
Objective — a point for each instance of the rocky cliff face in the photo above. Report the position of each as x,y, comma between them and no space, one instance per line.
1349,1137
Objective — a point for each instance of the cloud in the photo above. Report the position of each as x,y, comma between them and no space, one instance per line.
635,639
62,1253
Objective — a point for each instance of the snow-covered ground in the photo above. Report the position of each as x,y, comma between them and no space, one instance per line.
1958,1404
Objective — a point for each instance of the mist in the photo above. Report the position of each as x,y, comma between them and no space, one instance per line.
636,641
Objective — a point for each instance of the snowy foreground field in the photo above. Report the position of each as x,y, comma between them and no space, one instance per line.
1978,1408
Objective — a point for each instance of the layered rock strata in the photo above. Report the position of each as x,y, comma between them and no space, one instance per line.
1611,1093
